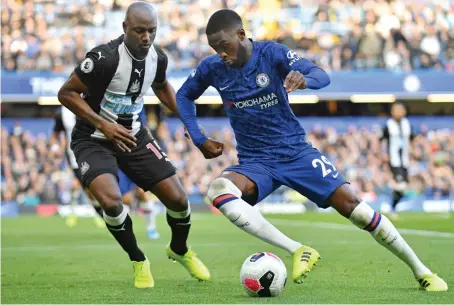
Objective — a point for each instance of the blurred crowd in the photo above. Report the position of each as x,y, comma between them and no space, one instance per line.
34,169
363,159
398,35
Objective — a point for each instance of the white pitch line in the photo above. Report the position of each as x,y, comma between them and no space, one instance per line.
281,222
348,227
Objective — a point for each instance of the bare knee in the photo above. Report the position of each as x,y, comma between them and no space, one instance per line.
178,202
110,201
181,202
171,193
106,191
344,200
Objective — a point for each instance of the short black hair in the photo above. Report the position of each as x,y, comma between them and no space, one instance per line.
223,20
399,103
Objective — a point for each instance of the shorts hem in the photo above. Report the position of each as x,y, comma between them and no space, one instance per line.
326,205
259,191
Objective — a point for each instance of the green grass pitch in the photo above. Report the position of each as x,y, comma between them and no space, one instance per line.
43,261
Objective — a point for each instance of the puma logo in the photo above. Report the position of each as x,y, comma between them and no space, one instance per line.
138,72
122,228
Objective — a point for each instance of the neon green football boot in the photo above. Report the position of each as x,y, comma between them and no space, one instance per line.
304,260
190,261
432,282
142,274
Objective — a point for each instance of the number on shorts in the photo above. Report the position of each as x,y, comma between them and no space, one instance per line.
324,159
159,147
151,147
322,162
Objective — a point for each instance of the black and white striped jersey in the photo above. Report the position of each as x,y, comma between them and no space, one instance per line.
398,134
116,83
65,121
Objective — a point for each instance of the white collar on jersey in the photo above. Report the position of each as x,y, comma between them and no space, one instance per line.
130,54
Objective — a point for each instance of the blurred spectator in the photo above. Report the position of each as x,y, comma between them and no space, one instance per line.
34,170
337,34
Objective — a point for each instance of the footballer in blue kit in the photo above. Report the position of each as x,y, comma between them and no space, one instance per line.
253,79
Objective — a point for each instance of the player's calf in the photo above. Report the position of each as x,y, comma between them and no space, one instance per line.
171,194
105,190
381,229
226,197
386,234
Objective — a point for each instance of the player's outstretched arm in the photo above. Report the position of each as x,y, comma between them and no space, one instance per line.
166,95
191,90
316,77
161,87
69,96
298,72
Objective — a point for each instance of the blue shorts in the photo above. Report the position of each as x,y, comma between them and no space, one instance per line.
126,184
310,174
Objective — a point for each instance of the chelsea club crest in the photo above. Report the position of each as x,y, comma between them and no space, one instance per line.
262,80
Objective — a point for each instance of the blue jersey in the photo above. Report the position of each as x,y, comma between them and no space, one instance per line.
255,100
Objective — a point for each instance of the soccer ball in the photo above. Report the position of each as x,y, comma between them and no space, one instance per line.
263,274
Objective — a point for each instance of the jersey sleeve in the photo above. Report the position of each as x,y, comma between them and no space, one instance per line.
197,82
162,66
194,86
287,60
96,66
58,123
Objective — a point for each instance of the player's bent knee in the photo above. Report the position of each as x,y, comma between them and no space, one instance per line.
344,200
222,186
350,206
178,203
109,200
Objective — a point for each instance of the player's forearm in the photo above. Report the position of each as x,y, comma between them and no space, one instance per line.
188,111
317,78
73,101
166,94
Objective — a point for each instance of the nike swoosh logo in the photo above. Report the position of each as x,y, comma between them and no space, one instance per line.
236,219
335,176
223,88
383,239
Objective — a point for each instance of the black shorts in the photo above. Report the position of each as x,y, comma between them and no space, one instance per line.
145,165
400,174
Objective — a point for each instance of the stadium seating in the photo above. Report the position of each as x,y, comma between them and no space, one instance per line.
341,35
34,171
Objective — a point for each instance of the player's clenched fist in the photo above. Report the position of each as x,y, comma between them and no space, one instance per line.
118,134
211,148
294,80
